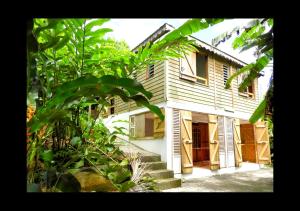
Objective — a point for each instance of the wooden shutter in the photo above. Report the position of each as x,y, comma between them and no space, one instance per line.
262,143
188,67
222,147
140,126
132,126
230,142
176,132
213,142
186,141
159,126
237,142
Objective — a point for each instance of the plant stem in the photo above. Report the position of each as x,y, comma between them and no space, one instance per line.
94,166
82,48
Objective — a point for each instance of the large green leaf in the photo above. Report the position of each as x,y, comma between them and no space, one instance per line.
47,155
51,43
62,42
132,86
141,100
93,23
79,164
98,33
190,27
76,141
51,25
238,72
259,112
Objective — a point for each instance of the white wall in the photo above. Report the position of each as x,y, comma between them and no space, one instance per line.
168,145
194,107
157,146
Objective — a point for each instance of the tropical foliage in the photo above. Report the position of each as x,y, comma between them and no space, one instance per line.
71,66
257,33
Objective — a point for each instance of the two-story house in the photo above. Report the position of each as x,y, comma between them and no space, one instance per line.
206,125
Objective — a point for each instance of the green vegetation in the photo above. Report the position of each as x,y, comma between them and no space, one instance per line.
71,66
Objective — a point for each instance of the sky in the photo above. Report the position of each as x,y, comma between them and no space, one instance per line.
134,31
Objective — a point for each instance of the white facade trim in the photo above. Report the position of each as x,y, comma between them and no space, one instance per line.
169,136
194,107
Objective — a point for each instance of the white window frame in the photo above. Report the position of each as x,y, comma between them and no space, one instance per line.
132,125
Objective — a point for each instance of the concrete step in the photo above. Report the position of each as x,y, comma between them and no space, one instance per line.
163,184
155,165
150,158
160,174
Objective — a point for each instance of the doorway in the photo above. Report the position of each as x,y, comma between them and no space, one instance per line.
200,145
248,143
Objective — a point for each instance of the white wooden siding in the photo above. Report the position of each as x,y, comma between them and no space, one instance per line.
156,85
181,90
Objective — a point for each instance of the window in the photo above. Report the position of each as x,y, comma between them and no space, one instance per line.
248,91
150,71
112,106
132,126
134,74
225,73
201,68
146,125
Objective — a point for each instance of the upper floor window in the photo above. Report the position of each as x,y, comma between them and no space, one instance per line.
225,73
194,67
249,90
201,68
112,106
150,71
134,74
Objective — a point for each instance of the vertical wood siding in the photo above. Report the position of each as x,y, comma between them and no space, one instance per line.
156,85
187,91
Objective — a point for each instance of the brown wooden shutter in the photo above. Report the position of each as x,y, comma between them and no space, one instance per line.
188,67
186,141
262,143
237,142
140,126
213,142
159,126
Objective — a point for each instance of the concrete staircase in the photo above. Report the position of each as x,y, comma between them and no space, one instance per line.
154,167
157,169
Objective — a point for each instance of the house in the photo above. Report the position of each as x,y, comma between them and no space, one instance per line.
206,125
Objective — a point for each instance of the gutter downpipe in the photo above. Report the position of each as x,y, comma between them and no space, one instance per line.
214,78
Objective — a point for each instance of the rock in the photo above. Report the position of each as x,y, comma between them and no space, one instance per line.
93,181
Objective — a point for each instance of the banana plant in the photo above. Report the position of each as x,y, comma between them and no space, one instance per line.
256,33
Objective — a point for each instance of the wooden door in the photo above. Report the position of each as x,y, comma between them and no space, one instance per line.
237,142
262,143
213,142
186,141
248,144
200,142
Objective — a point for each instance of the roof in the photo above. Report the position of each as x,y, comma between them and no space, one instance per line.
165,28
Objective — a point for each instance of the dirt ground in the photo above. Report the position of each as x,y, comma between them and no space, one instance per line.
250,181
